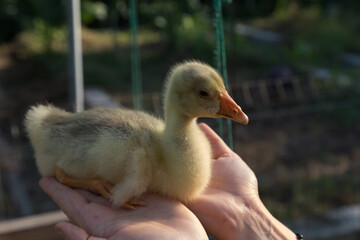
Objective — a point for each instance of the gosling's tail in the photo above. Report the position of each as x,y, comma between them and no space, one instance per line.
35,117
35,120
37,128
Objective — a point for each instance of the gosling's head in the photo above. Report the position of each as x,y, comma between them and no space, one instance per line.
195,89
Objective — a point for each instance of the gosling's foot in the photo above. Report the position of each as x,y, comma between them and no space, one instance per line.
133,201
95,185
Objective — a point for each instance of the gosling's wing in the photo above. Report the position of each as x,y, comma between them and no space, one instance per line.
92,123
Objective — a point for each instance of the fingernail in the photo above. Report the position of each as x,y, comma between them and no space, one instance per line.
60,232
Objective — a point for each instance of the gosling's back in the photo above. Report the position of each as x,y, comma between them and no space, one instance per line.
90,143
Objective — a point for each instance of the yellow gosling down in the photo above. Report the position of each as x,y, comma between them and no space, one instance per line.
121,153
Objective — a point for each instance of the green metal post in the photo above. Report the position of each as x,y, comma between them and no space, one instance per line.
220,63
135,57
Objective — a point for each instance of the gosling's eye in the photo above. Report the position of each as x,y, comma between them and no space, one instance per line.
203,94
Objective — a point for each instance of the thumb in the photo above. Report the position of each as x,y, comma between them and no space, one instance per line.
218,146
72,232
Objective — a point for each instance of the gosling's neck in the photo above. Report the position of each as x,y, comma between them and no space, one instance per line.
178,123
187,155
182,137
183,140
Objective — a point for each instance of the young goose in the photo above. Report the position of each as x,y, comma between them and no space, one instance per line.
122,153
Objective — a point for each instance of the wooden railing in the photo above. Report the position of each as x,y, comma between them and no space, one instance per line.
274,97
35,227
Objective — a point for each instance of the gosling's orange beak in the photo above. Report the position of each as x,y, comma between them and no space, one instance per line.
229,109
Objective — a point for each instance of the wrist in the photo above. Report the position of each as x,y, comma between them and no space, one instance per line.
254,221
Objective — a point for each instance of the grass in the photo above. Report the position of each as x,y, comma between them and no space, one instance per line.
106,56
309,197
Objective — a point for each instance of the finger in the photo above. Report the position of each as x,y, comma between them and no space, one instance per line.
78,208
218,146
73,232
66,198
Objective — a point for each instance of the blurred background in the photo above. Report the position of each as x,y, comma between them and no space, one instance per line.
293,66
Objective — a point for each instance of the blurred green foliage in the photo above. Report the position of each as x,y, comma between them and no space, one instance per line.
19,15
311,196
314,33
311,34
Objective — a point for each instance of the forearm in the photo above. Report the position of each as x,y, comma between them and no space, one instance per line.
254,221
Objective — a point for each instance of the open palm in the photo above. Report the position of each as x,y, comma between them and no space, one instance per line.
95,218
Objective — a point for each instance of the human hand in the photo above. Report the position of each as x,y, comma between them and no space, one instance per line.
230,207
96,219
